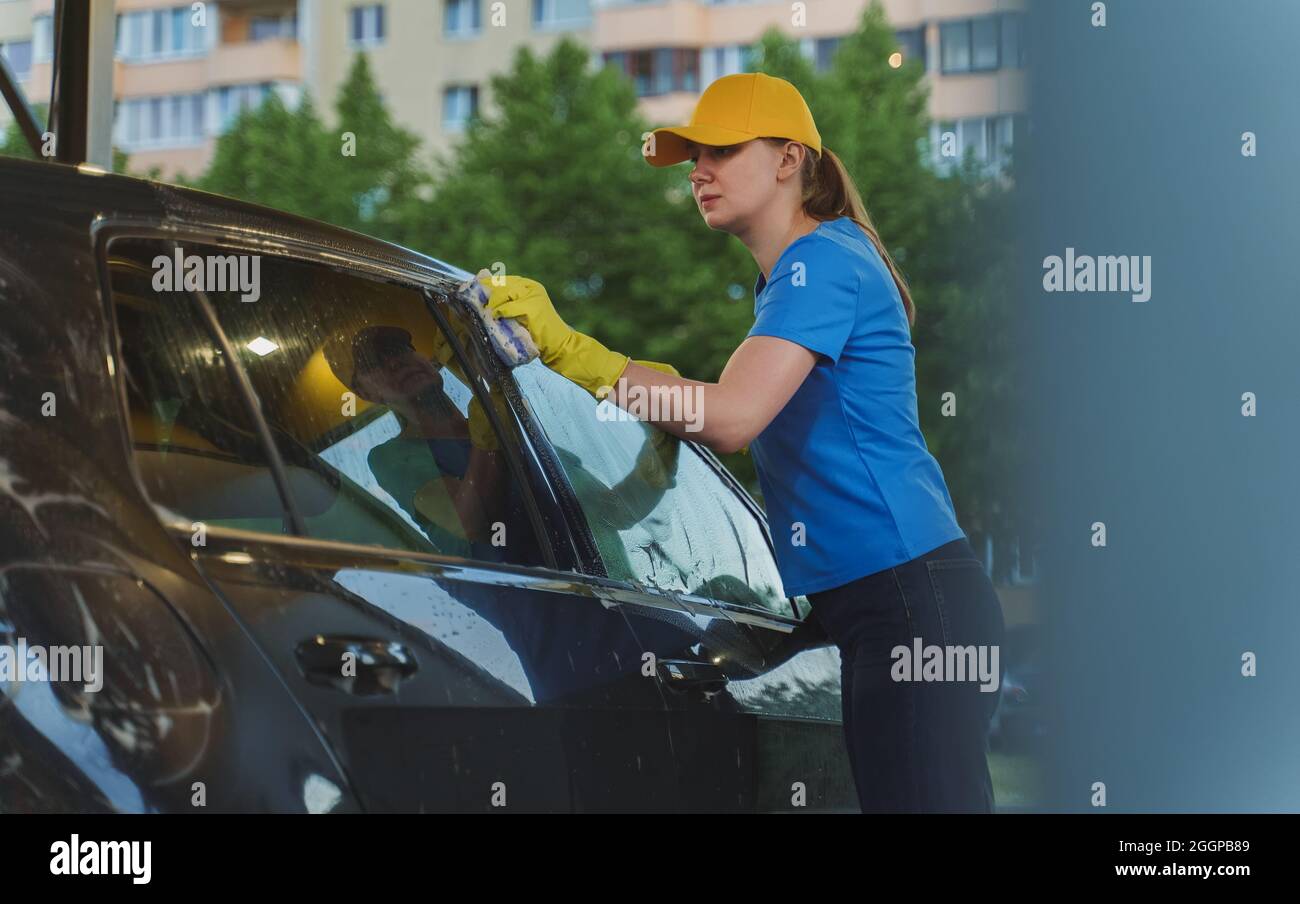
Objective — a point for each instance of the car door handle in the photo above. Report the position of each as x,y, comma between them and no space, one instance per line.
686,675
355,665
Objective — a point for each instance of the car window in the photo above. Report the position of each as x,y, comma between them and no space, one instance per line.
382,439
195,446
659,513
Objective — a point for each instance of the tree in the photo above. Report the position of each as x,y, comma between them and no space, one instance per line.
381,175
281,158
14,144
351,176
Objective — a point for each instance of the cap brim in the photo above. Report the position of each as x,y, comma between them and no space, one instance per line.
670,142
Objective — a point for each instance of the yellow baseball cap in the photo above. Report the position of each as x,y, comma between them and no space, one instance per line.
738,108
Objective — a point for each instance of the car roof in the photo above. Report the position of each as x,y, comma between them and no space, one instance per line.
45,190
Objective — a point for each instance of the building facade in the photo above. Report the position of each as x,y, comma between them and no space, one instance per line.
972,51
183,71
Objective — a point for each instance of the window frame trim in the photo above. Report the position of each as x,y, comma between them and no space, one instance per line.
607,591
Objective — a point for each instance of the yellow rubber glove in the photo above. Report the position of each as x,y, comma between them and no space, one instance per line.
662,368
574,355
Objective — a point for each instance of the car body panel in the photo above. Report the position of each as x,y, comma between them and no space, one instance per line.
535,678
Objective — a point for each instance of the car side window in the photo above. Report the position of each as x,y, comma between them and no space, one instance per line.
659,513
195,446
370,409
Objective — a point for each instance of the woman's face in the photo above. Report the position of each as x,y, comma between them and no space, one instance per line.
732,184
397,377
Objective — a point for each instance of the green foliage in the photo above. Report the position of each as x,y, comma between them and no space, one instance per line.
384,174
13,144
291,160
273,155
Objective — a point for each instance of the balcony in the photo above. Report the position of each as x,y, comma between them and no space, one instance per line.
689,23
269,60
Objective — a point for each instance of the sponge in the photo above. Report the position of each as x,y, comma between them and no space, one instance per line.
512,343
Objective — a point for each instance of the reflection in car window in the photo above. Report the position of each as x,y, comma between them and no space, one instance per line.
659,513
383,441
195,447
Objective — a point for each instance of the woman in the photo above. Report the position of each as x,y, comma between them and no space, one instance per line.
823,391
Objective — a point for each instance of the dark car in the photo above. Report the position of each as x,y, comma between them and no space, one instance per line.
337,557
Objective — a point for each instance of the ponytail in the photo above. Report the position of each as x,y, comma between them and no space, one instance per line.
829,192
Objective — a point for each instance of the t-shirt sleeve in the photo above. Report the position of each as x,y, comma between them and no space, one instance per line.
811,299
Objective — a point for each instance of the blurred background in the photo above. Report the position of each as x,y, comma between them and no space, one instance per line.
511,132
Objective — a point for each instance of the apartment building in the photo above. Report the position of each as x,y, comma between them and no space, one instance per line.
972,51
16,44
432,59
183,71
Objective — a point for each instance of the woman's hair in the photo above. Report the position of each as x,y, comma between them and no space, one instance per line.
829,192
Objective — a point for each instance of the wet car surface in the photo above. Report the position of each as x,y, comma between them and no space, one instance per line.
313,593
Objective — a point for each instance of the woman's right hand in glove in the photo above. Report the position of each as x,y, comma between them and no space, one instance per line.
574,355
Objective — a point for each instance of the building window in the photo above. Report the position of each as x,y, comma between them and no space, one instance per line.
984,43
561,13
231,100
175,120
954,47
981,45
659,71
461,18
823,50
662,70
42,39
459,106
686,69
155,34
974,136
1013,51
988,138
715,62
639,68
911,42
267,28
18,55
366,25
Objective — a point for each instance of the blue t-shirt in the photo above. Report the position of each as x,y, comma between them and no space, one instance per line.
845,457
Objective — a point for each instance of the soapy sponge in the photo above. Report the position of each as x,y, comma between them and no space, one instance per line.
513,344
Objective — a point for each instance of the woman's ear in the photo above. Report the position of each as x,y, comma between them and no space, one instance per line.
792,154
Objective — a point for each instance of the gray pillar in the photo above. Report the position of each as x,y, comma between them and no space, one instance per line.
99,115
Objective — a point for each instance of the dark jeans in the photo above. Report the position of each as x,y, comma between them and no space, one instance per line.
916,746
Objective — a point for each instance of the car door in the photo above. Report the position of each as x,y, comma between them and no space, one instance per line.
408,575
754,689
